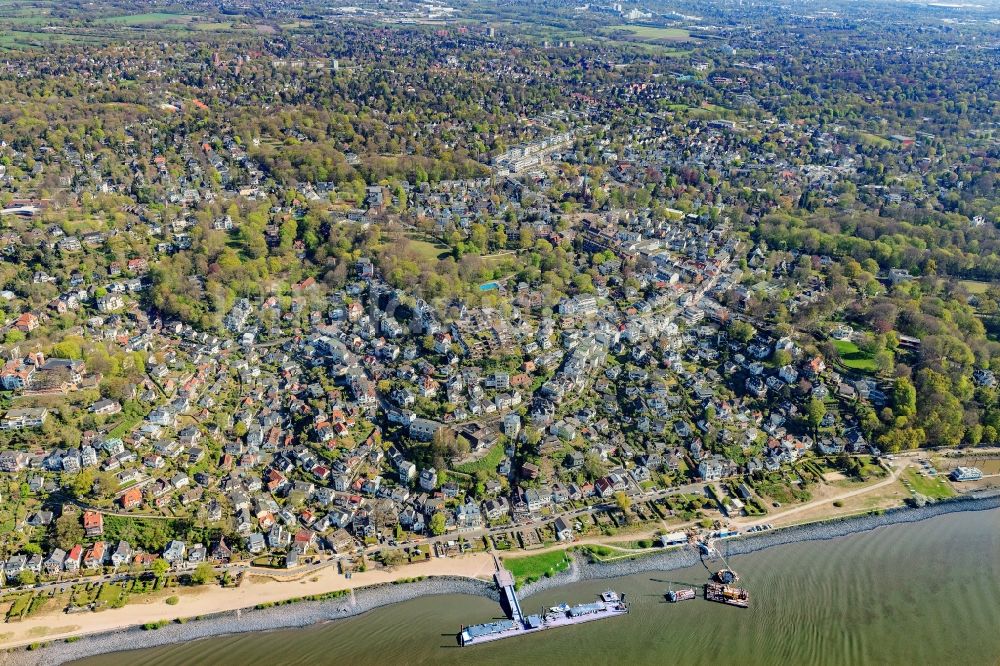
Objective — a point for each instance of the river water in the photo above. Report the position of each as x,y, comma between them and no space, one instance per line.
919,593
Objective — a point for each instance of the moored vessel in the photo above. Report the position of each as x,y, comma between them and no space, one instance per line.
726,576
683,594
727,594
608,604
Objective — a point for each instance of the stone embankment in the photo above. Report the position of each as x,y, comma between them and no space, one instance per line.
679,558
285,616
307,613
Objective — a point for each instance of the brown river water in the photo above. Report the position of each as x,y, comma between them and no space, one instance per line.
918,593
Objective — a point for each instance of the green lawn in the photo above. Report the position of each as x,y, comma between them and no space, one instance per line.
854,358
167,21
869,469
426,248
19,606
212,26
777,489
975,286
487,463
874,140
82,594
149,19
110,594
149,533
653,33
30,20
27,39
143,585
531,568
38,604
126,425
936,488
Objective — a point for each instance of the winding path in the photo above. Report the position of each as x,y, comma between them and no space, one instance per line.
892,478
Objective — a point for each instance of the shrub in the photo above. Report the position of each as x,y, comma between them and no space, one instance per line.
173,601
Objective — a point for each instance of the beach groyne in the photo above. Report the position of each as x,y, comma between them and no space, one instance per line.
306,613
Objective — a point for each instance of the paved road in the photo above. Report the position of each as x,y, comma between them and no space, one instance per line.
570,516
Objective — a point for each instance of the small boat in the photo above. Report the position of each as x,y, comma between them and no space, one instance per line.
560,609
726,576
683,594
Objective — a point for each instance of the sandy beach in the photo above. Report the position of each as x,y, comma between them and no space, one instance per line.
444,574
209,600
194,602
228,611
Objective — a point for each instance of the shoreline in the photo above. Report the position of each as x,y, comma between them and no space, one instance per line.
302,614
745,544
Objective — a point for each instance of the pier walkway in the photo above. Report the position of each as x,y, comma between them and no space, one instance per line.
505,583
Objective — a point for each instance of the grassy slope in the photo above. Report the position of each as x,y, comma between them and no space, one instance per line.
936,488
531,568
854,358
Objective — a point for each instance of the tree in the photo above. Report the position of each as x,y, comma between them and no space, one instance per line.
974,435
623,501
447,446
105,483
815,411
27,577
160,567
69,530
939,411
741,331
438,524
203,573
901,439
67,349
904,397
593,466
884,361
81,484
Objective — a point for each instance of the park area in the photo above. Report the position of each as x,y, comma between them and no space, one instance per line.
853,357
648,33
45,23
532,568
935,488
